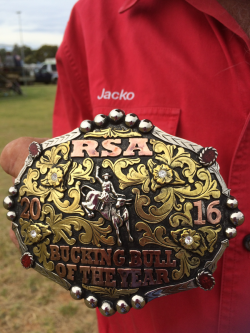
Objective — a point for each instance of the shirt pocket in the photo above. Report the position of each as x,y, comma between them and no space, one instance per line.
166,119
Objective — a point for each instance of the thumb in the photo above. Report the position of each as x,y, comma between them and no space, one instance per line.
14,154
12,160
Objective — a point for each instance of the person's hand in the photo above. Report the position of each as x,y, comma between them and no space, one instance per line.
12,160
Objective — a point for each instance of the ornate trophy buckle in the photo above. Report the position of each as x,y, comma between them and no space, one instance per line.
119,212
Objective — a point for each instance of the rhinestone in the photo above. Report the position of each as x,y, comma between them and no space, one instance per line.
54,177
7,203
100,120
34,149
138,302
189,240
86,126
116,115
231,233
12,191
232,203
106,309
33,233
91,302
145,126
208,156
205,281
237,218
162,173
11,215
27,260
131,119
76,292
122,307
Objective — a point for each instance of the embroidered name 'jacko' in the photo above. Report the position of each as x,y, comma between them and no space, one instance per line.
117,95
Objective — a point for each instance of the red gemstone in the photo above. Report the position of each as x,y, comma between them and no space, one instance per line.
209,155
33,149
26,260
206,281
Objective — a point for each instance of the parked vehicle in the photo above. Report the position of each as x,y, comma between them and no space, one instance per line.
48,72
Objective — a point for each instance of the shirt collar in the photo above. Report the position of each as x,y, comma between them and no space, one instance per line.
127,5
211,7
214,9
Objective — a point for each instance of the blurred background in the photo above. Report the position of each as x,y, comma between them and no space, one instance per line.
30,34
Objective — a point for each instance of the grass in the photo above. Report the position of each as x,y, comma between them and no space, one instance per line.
29,302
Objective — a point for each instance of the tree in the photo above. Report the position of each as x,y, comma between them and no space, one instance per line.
44,52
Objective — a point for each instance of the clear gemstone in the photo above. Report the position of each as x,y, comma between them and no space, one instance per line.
33,233
189,240
54,177
162,173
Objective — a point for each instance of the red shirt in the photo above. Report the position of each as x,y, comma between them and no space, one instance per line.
184,64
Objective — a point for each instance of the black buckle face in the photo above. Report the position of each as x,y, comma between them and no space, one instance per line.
119,212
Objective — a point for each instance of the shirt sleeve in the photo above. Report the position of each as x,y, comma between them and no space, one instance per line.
72,104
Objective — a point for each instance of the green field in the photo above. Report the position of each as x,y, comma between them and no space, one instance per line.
28,301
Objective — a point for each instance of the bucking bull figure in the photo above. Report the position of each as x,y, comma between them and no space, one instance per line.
108,203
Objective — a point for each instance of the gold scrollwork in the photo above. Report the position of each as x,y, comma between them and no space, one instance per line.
184,251
211,235
77,171
173,190
52,185
133,178
94,232
155,214
156,237
172,187
33,233
110,292
43,255
182,218
112,133
168,155
31,187
51,157
196,242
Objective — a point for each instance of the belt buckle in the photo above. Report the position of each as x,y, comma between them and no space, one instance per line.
119,212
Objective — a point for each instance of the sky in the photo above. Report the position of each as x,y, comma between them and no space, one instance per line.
43,22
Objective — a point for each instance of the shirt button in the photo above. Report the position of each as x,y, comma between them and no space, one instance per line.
246,242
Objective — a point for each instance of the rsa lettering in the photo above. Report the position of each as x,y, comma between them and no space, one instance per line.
110,147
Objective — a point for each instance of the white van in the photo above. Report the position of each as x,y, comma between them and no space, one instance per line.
48,72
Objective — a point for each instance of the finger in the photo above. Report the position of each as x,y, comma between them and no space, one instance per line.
14,154
12,160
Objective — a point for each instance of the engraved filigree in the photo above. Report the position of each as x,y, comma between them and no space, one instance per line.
184,251
211,235
54,194
43,255
156,237
196,243
94,231
52,185
171,186
113,133
133,178
51,157
185,219
110,292
77,171
33,232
